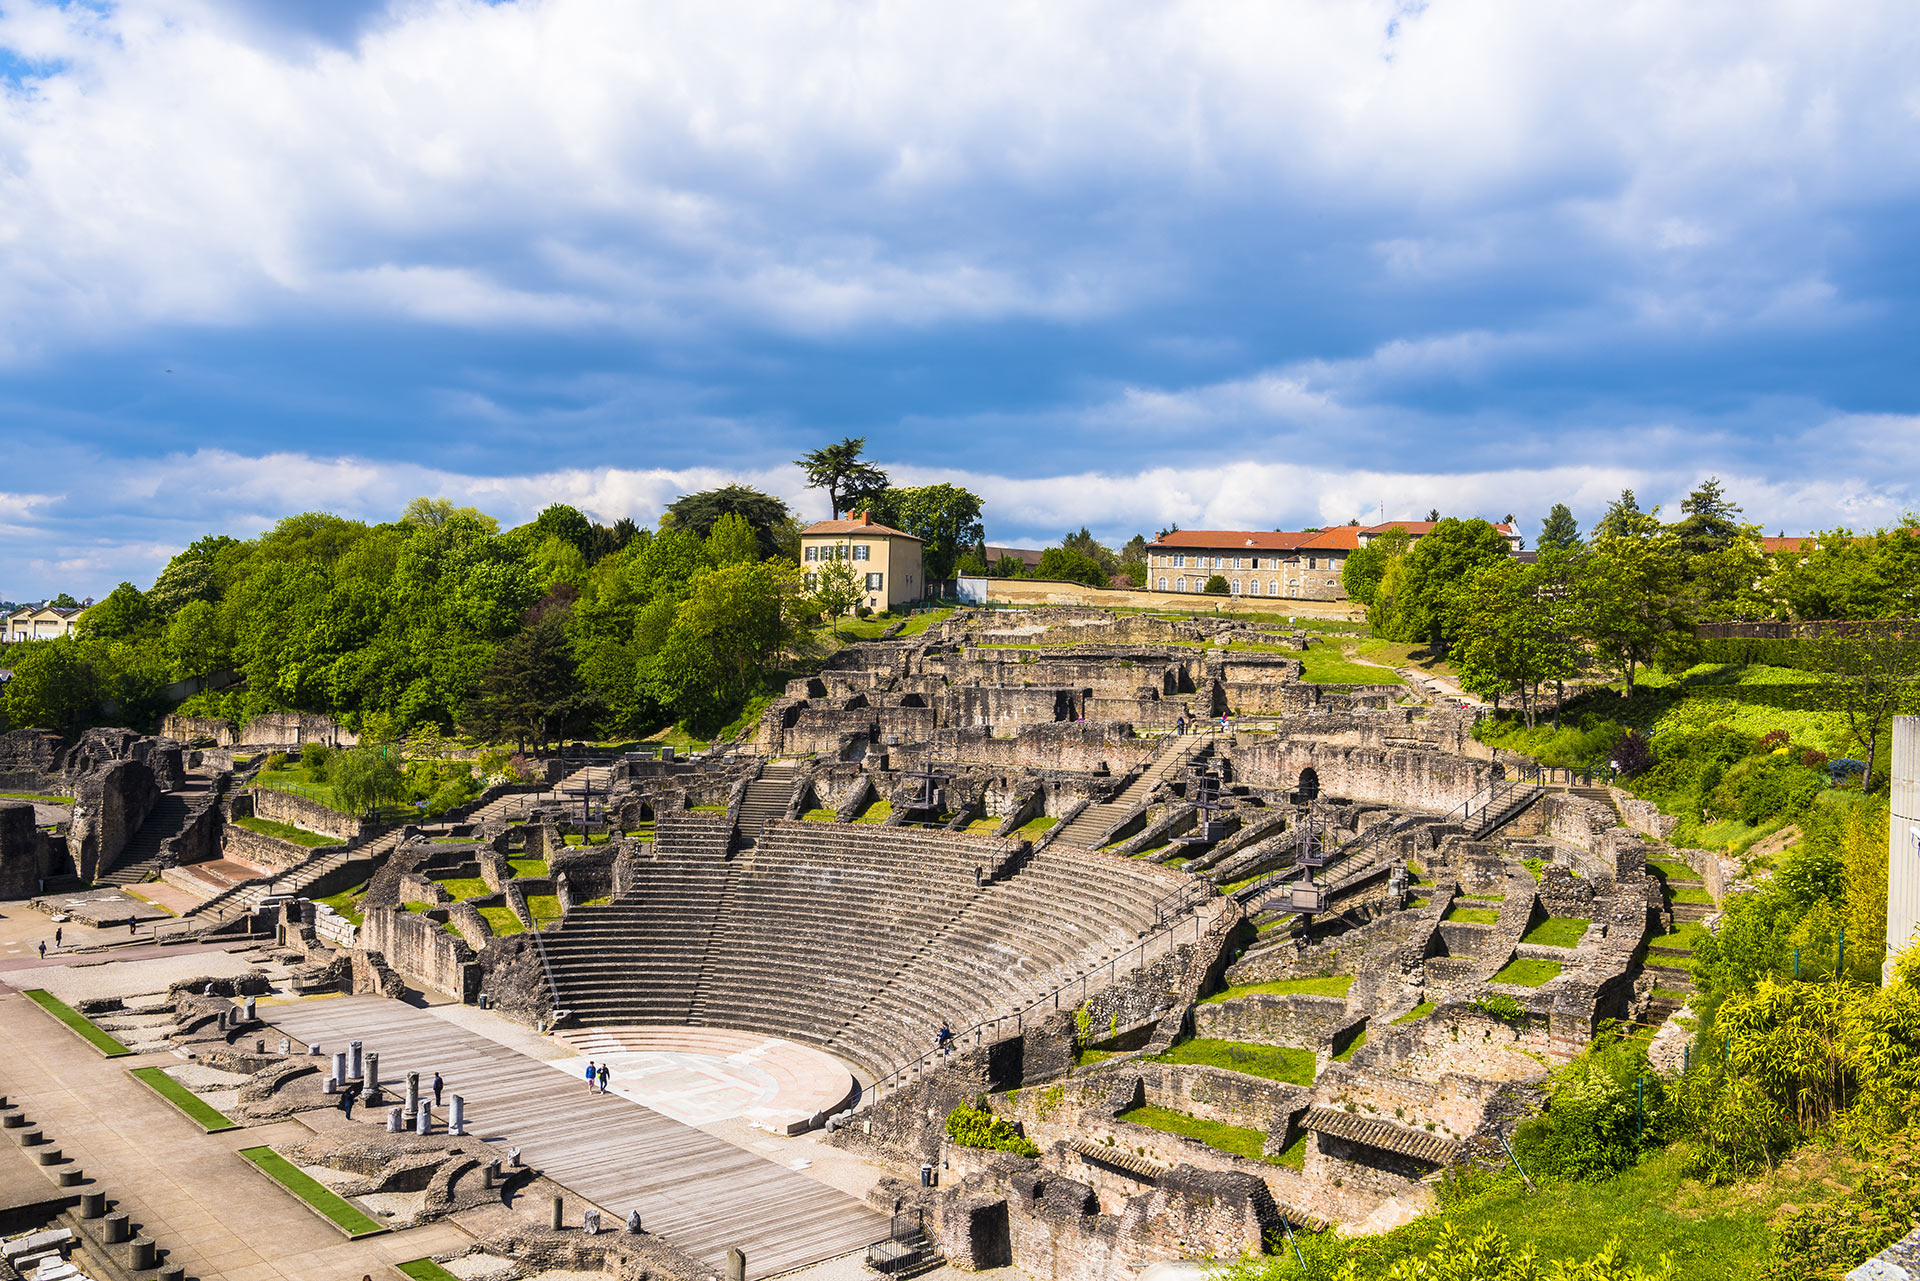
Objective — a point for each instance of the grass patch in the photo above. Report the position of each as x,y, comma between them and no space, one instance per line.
925,619
1472,915
1353,1047
1686,934
287,832
1528,973
544,908
1236,1139
425,1270
1294,1155
347,902
1320,985
823,816
1672,870
691,809
528,866
460,888
1533,866
1274,1062
878,812
1083,1057
1417,902
1034,826
1672,993
41,797
1480,898
606,838
1324,664
502,920
85,1028
197,1109
328,1204
1690,896
1557,931
1418,1012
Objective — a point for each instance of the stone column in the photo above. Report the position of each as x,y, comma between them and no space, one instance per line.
356,1065
559,1216
590,1222
457,1118
373,1075
413,1093
736,1265
633,1222
340,1065
395,1123
332,1085
423,1119
249,1010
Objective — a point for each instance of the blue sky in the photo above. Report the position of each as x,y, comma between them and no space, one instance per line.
1122,265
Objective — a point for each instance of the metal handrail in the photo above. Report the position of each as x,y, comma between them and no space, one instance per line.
1051,1000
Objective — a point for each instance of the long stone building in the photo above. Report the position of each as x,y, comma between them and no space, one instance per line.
1300,564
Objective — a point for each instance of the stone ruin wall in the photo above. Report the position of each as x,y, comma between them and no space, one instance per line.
298,811
1406,777
26,852
109,805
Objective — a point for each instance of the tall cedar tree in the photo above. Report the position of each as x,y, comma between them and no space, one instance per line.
699,513
848,479
1559,531
531,691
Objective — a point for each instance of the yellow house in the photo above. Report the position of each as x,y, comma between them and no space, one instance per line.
40,622
887,559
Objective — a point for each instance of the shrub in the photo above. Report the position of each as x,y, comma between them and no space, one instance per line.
1593,1126
1216,586
1762,788
1774,739
1813,759
1503,1007
1821,1242
315,759
1631,753
973,1127
1491,1256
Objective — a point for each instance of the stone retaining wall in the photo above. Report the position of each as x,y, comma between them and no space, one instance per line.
298,811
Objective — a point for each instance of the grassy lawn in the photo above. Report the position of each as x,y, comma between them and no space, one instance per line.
1082,1056
287,832
197,1109
1237,1139
1672,869
1034,826
1400,654
678,738
425,1270
460,888
878,812
528,866
82,1026
826,816
924,620
1419,1011
41,797
1324,664
500,919
605,838
545,909
1353,1047
332,1207
1275,1062
1481,898
1528,973
1685,934
1690,896
347,902
691,809
1472,915
1294,1155
1557,931
1322,985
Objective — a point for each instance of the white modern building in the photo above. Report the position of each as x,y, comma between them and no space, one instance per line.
1903,839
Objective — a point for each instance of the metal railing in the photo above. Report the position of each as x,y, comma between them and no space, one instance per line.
1001,1027
1492,799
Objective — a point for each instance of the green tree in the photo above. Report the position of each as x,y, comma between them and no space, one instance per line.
64,601
1085,544
836,591
1361,574
1630,605
1057,564
848,479
531,690
699,512
1010,566
196,642
1621,517
1709,520
1417,608
1216,585
1510,633
1559,531
1837,574
569,524
365,778
432,513
200,572
124,615
53,687
1869,672
724,639
732,541
945,518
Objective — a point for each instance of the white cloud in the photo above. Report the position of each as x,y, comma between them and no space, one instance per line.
817,166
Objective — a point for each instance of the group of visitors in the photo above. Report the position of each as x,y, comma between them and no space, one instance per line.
597,1076
1180,724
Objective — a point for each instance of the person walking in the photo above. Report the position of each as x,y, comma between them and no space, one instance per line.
437,1085
1180,724
43,949
591,1072
604,1074
347,1096
57,931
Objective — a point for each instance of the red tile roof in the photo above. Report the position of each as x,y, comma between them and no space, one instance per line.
1338,538
858,523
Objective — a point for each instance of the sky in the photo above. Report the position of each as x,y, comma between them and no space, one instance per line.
1122,265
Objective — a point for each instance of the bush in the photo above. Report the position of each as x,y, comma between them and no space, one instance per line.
1823,1241
1762,788
1491,1256
1632,754
315,759
973,1127
1593,1126
1216,586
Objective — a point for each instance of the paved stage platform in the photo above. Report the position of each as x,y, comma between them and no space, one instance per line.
701,1075
699,1192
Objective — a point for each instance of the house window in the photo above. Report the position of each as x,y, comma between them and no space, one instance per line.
1163,584
860,551
1273,587
813,553
1180,561
813,580
1236,587
873,582
1253,587
1180,585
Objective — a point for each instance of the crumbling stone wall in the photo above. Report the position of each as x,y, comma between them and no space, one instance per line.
292,729
109,805
266,851
200,729
28,758
1294,1019
24,851
417,946
1409,777
285,807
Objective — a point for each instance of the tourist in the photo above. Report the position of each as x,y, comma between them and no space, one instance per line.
346,1101
56,938
590,1074
1180,724
437,1084
43,949
945,1040
604,1074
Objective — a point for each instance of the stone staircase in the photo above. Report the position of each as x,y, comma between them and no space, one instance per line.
231,904
766,798
1095,821
141,860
